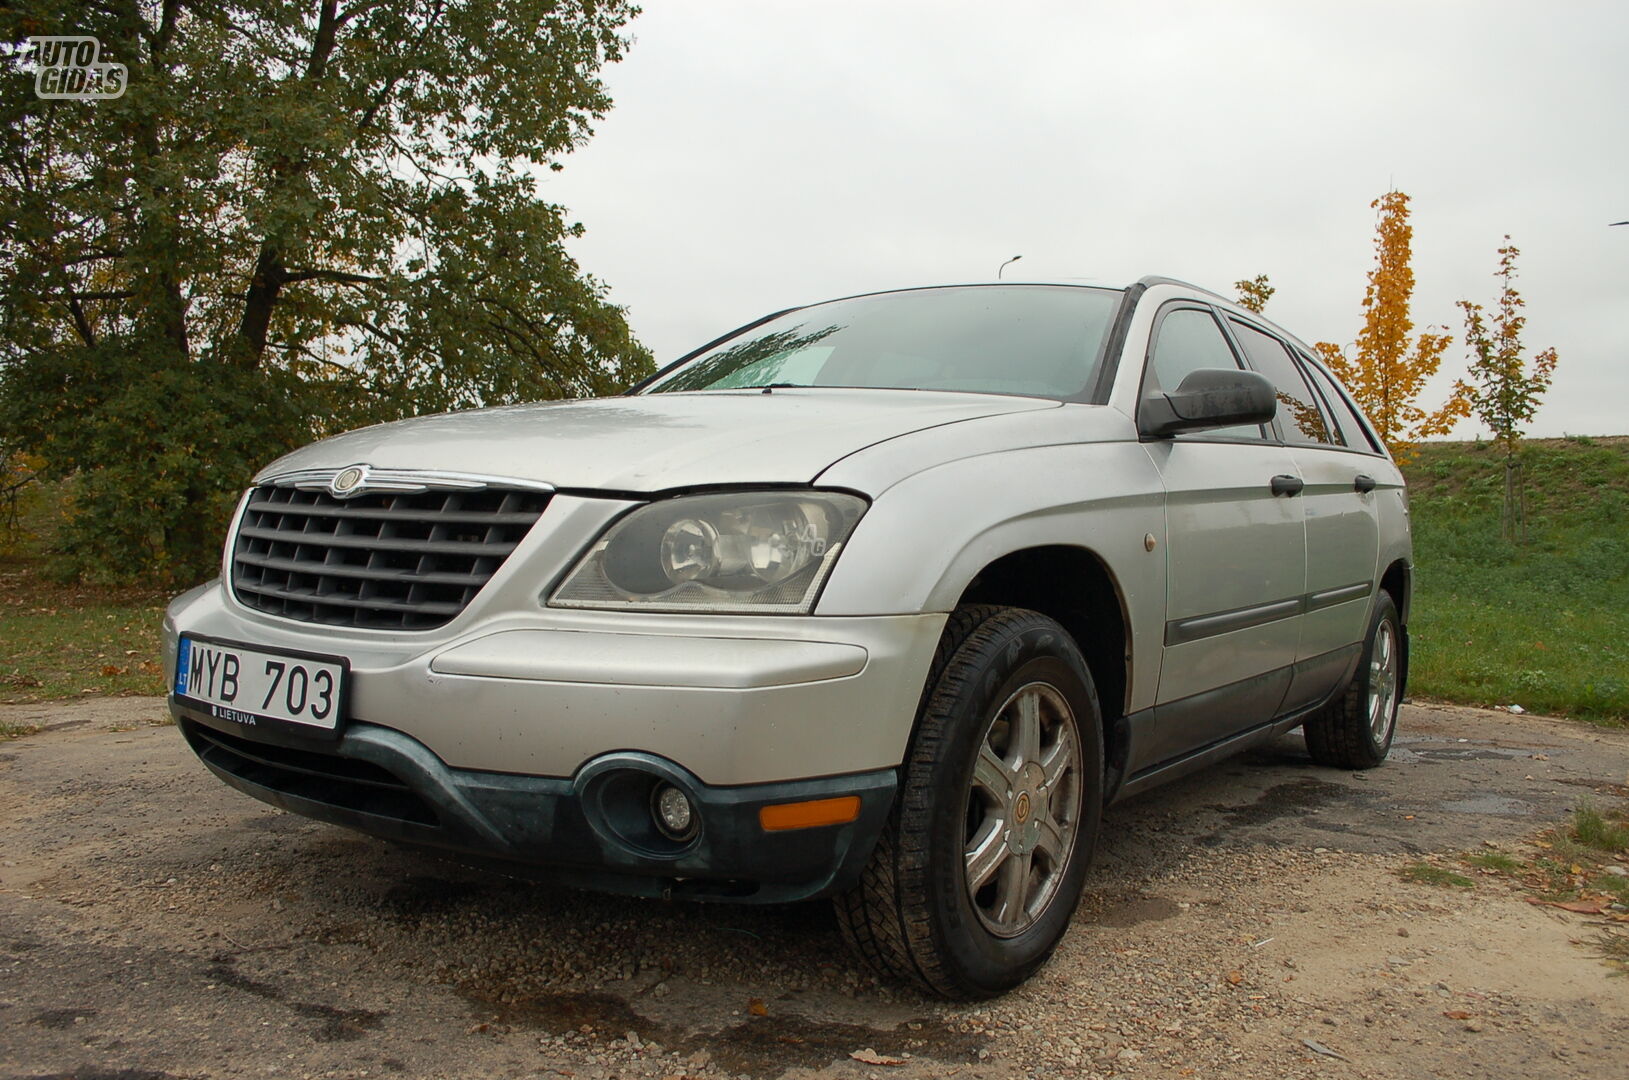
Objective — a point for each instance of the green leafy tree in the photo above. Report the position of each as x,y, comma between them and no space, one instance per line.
1254,293
1503,390
302,215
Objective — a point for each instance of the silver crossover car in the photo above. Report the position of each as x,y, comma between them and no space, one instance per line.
882,599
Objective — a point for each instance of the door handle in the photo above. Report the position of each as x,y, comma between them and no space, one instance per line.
1287,485
1363,482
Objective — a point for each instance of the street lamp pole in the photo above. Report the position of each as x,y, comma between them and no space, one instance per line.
1006,264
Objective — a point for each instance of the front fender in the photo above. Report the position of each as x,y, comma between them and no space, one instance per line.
926,538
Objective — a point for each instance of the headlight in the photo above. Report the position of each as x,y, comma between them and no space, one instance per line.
757,551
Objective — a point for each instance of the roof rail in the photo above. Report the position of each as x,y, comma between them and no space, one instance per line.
1156,279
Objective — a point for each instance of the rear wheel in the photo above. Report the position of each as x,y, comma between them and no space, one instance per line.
1355,730
974,881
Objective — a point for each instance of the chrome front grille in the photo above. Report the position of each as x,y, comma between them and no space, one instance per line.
383,560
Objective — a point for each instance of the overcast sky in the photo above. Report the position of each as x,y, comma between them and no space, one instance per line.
766,153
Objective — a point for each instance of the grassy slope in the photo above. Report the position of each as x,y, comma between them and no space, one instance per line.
1545,625
63,641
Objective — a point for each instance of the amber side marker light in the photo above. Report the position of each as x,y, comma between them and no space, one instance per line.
807,815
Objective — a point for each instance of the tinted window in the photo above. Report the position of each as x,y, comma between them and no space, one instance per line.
1037,340
1298,413
1187,340
1346,419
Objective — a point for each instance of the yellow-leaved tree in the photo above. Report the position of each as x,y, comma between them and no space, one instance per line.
19,473
1254,293
1384,368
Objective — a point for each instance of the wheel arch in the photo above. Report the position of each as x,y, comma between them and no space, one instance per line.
1077,588
1398,583
1398,580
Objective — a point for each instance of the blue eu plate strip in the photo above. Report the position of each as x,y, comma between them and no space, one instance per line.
183,660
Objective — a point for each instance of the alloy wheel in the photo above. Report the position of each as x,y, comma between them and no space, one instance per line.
1383,683
1023,807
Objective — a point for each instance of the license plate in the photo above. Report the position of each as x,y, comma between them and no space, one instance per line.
256,687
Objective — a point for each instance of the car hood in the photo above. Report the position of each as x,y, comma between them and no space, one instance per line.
656,442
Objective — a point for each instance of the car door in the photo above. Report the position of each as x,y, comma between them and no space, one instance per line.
1342,525
1235,557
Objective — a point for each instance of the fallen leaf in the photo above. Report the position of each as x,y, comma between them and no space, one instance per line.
108,671
1578,907
757,1008
1457,1014
869,1056
1235,977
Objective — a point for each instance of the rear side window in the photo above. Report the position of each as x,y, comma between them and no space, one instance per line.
1187,340
1346,419
1299,416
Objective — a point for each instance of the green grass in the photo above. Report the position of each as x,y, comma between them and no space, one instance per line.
1496,861
1543,625
1599,832
1570,861
1426,874
69,641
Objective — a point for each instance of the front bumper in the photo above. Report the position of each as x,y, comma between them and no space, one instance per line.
541,692
493,738
584,831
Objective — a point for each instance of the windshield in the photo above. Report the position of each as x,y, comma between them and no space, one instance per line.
1036,340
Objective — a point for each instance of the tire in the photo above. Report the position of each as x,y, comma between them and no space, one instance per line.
1355,730
1023,813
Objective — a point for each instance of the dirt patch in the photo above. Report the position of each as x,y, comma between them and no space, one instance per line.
1246,922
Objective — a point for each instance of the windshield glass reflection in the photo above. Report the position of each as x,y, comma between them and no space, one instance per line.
1034,340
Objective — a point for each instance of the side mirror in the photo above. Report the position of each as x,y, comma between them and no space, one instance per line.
1209,398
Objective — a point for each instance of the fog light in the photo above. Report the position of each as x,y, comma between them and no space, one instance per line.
674,815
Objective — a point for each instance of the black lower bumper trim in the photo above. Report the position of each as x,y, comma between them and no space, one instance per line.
382,782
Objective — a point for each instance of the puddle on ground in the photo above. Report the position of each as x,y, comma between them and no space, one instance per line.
760,1046
1282,800
1406,748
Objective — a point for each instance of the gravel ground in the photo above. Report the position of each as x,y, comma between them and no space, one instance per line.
1246,922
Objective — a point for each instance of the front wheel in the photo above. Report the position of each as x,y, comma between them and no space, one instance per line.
1355,730
975,879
